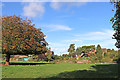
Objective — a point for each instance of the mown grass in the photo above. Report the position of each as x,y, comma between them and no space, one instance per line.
61,70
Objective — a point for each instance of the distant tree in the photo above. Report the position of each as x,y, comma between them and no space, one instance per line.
79,50
108,50
113,54
99,53
116,22
65,55
119,53
21,37
71,48
118,56
85,50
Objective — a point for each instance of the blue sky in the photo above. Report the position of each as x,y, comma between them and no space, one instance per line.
64,23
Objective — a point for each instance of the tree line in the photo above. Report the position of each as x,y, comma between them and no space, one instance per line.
97,54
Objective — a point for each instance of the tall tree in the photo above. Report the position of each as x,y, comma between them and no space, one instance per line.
99,53
116,22
71,49
21,37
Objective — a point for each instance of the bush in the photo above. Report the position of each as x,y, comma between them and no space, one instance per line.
94,60
30,59
66,58
41,56
107,59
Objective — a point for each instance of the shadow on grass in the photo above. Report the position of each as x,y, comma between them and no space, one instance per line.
101,71
21,63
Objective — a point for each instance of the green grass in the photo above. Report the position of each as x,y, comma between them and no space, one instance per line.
61,70
24,62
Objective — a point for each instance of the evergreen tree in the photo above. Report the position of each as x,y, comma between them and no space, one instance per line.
99,53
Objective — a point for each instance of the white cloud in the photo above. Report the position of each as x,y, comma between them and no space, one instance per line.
108,43
57,44
33,9
57,5
104,38
58,27
106,34
60,51
74,40
58,48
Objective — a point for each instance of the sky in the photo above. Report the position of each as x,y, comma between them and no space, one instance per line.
65,23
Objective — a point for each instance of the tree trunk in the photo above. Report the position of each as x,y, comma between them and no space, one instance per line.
7,59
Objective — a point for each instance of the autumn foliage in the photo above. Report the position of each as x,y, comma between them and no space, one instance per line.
21,37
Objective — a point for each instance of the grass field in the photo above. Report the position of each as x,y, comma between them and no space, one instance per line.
60,70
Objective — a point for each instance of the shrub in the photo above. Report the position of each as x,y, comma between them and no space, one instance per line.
30,59
66,58
107,59
94,60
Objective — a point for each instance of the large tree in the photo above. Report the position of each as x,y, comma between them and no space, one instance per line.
21,37
116,22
